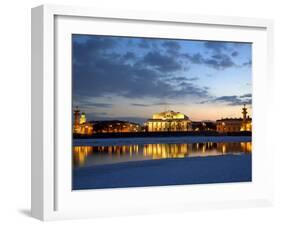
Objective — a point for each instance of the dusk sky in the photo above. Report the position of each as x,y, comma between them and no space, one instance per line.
131,78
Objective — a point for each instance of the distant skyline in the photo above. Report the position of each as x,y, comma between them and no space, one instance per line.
129,78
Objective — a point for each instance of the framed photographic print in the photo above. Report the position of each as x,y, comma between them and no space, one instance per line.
140,112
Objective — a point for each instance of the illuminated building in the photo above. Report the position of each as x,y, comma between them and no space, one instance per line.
116,126
81,126
247,121
235,124
82,118
203,126
168,121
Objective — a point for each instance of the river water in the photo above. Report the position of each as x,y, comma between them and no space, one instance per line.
110,154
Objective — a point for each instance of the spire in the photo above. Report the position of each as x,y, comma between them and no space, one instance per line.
244,113
76,110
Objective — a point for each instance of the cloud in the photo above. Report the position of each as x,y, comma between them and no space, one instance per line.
129,56
172,47
144,44
192,79
220,62
161,62
100,105
247,63
94,115
141,105
91,46
224,52
195,58
162,103
234,54
153,104
217,61
228,99
248,95
216,46
181,79
231,100
85,102
219,55
189,89
99,71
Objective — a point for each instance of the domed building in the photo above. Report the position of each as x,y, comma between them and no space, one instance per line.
168,121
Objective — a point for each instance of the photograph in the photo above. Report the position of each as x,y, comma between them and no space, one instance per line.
153,111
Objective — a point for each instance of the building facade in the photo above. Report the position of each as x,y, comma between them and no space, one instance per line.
204,126
81,126
235,124
168,121
116,126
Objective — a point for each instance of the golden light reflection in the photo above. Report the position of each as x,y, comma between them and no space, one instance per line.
155,151
246,146
162,151
80,154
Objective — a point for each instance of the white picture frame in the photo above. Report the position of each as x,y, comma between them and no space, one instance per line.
51,197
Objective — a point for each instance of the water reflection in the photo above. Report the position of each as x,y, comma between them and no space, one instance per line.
97,155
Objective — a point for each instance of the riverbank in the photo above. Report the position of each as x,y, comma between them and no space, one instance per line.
159,134
196,170
159,140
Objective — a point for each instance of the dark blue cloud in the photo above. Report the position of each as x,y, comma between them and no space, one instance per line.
248,95
231,100
99,71
153,104
234,54
221,54
91,47
195,58
162,103
141,105
86,102
172,47
217,61
129,56
100,105
220,61
103,67
182,79
216,46
161,62
144,43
